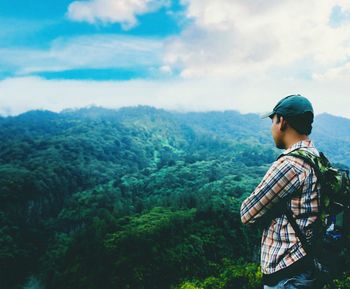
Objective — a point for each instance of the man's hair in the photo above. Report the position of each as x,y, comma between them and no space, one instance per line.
301,123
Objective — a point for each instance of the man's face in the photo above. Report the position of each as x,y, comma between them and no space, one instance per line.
277,132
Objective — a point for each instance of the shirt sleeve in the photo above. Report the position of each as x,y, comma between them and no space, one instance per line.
280,180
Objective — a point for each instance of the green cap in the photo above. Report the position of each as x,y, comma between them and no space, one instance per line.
292,105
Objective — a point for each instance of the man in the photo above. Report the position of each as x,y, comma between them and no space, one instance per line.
292,183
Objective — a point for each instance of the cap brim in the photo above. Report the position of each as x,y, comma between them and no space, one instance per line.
269,114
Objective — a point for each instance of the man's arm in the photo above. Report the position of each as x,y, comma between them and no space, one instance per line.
281,180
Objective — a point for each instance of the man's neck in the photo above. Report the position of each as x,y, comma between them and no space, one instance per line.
295,139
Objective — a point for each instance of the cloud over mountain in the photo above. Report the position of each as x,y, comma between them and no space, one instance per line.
242,37
113,11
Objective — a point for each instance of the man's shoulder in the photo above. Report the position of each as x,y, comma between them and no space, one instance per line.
296,159
286,162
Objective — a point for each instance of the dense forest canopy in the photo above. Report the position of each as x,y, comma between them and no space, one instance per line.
137,197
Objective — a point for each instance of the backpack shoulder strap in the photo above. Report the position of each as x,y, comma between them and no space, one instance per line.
298,231
309,158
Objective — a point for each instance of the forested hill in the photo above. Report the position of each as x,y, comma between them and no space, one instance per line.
136,197
331,133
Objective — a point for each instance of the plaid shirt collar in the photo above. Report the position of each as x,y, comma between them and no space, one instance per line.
300,144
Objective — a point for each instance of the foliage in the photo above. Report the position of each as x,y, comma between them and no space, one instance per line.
133,198
232,274
343,282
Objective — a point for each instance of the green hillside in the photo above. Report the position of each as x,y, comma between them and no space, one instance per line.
136,197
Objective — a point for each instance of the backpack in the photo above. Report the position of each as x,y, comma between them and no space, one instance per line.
328,245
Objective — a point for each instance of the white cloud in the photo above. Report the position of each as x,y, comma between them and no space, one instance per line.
113,11
18,95
85,52
234,38
338,73
242,55
250,38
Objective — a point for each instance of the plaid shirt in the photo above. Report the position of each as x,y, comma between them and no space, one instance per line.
280,247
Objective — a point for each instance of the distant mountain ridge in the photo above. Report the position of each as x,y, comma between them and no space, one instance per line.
331,134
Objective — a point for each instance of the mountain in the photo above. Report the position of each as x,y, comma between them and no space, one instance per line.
136,197
332,136
333,126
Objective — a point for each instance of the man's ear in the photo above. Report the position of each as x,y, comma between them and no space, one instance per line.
284,124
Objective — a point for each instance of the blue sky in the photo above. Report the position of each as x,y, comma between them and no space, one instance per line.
35,27
175,54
